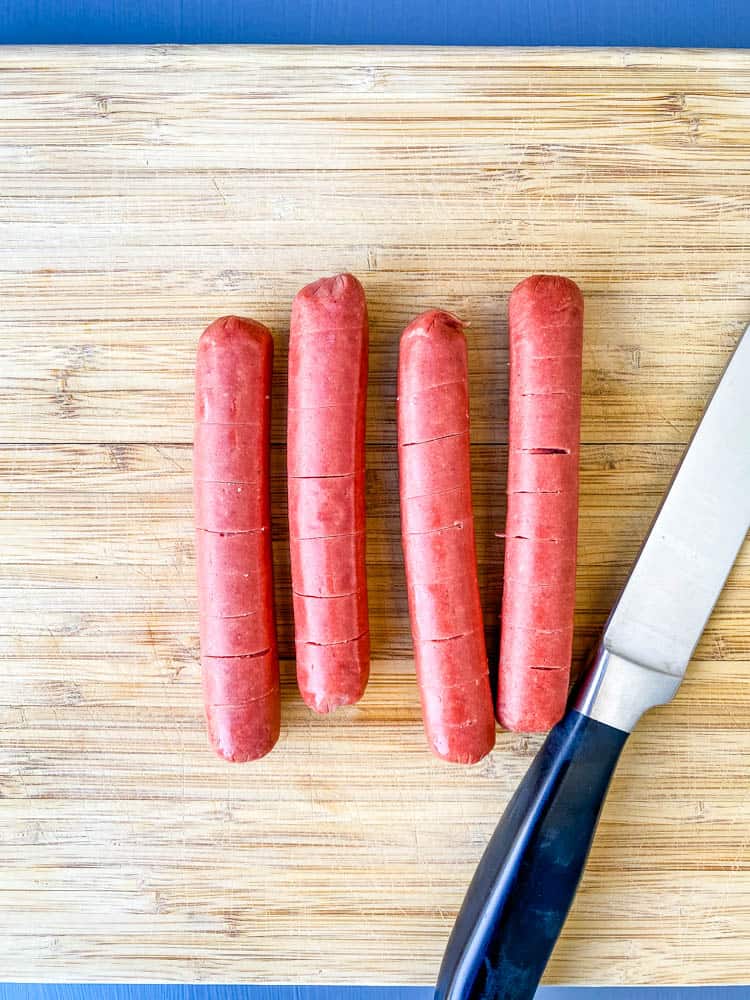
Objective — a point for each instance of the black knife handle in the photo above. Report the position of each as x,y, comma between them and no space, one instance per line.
522,890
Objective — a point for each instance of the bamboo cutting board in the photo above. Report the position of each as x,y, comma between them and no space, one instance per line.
143,192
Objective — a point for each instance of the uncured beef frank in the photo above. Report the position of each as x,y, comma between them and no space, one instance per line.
328,346
437,530
231,454
545,315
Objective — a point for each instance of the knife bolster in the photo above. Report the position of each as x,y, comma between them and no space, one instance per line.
617,691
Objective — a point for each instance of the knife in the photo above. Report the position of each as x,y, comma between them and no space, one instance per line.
517,902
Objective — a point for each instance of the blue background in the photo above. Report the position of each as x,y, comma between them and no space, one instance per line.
460,22
693,23
10,991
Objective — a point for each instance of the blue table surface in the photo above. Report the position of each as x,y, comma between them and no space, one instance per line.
23,991
692,23
459,22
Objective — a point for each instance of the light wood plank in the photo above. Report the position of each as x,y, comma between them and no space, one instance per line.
143,192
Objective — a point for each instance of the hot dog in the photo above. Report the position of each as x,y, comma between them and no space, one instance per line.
546,335
328,348
231,458
437,531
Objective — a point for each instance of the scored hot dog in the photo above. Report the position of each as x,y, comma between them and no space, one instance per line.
545,316
437,531
231,463
328,349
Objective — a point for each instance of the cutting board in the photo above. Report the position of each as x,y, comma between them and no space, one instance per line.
144,192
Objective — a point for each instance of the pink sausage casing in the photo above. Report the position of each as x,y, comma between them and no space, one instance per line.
328,352
231,459
545,316
437,532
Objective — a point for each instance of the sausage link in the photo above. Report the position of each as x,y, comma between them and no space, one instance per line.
437,532
231,463
546,335
328,350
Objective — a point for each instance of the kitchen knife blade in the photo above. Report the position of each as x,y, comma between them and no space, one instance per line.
522,890
683,564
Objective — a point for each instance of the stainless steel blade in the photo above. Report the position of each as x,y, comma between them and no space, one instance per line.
683,564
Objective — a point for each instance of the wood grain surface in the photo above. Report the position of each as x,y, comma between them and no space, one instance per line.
143,192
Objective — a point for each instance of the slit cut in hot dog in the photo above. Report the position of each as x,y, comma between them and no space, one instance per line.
545,316
328,348
437,531
231,457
